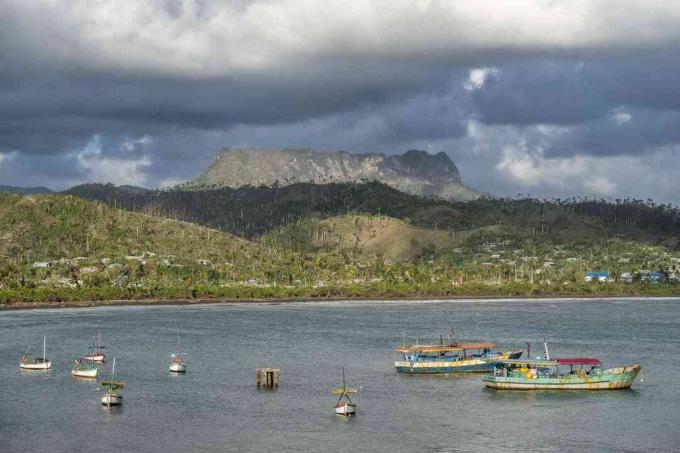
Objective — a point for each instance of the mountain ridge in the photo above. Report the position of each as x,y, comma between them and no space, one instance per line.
414,172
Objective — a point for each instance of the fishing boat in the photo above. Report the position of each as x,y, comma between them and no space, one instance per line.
84,369
177,364
96,355
113,396
552,374
31,362
344,406
455,357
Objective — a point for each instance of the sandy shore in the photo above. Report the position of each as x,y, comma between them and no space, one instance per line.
163,302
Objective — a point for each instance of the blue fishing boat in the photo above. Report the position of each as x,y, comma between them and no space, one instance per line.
452,358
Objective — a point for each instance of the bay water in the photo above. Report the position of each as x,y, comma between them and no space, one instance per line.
216,406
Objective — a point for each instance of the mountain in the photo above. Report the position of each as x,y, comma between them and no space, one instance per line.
25,190
414,172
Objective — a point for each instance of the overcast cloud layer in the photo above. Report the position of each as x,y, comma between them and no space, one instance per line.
552,98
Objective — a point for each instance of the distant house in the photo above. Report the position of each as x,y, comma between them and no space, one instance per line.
626,277
600,276
652,277
42,264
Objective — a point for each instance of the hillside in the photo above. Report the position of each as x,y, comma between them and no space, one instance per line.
414,172
25,190
63,248
370,236
253,211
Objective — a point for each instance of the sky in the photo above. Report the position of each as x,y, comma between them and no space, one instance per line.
542,97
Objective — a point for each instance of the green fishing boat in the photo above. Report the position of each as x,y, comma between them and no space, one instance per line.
547,374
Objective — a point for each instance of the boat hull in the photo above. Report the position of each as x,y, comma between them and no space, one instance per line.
470,365
88,373
95,358
345,409
611,379
178,368
112,400
36,366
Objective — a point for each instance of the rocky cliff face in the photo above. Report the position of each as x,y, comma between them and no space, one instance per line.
414,172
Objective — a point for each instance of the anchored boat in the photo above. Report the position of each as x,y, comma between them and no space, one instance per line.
344,406
452,358
31,362
84,369
113,396
547,374
177,364
96,354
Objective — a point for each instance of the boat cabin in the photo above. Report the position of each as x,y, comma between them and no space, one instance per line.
547,368
454,351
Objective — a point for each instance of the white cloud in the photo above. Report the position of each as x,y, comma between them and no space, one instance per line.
212,38
477,78
101,168
622,117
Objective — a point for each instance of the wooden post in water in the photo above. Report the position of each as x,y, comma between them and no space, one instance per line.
267,377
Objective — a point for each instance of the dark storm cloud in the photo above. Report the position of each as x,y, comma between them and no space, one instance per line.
156,87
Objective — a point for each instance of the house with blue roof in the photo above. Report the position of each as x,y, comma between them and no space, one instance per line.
598,276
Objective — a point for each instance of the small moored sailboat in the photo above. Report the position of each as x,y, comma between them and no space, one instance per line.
96,354
84,369
177,364
113,396
30,362
344,406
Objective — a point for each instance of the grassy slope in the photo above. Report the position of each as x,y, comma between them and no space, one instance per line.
392,239
50,227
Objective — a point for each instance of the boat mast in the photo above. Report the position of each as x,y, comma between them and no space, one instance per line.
547,352
44,348
113,370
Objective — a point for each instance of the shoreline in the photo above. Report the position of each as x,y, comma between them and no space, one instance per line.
18,306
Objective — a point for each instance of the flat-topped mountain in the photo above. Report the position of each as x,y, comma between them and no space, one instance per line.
414,172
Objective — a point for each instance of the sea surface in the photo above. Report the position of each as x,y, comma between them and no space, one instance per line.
216,406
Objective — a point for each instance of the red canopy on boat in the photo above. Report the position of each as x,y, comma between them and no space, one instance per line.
579,361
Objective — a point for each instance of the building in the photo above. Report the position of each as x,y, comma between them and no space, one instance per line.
602,277
652,277
626,277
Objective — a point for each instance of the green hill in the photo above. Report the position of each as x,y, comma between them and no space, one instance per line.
371,236
253,211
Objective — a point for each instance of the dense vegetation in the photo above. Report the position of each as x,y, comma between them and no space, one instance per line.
344,240
252,211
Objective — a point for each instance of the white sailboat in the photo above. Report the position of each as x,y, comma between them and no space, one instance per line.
113,396
177,364
30,362
96,355
82,369
345,406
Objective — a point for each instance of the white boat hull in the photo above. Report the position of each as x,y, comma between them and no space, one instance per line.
95,358
345,409
178,368
36,366
90,374
112,400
